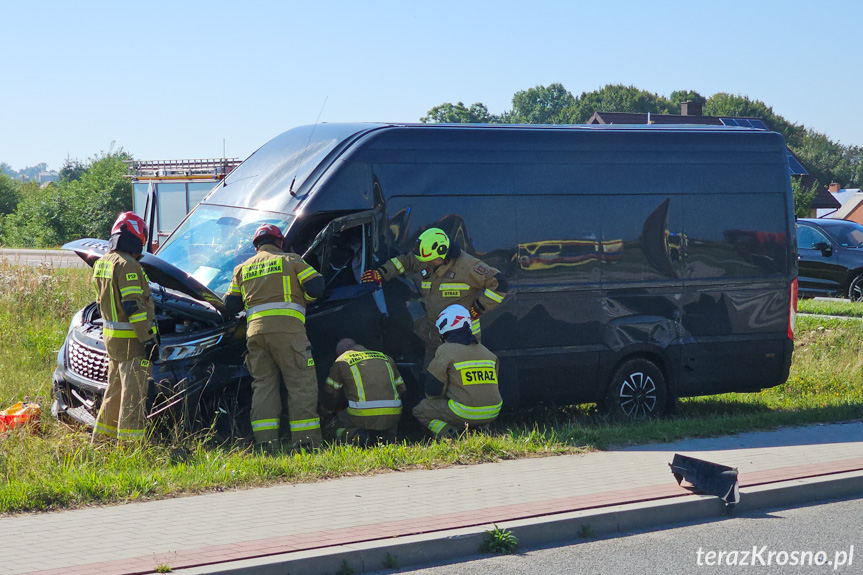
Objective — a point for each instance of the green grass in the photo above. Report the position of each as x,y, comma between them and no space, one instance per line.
58,468
843,308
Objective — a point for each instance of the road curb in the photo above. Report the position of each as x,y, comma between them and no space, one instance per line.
458,544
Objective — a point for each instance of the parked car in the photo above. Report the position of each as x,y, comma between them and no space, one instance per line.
644,263
830,258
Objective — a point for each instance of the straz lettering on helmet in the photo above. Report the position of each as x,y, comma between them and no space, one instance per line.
103,270
131,277
259,269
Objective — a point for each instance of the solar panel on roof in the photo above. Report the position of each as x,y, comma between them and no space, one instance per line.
758,124
728,121
795,167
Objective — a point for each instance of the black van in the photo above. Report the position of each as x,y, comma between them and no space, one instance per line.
645,263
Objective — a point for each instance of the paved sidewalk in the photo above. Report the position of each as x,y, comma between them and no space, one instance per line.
221,527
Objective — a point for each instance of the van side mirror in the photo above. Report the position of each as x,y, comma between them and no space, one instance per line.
825,248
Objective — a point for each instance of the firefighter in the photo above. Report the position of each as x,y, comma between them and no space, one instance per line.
128,329
274,287
449,276
371,384
461,383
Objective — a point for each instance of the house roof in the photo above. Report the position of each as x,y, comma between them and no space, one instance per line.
794,166
848,206
636,118
825,200
843,196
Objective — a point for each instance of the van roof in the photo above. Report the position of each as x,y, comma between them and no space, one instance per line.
367,126
282,172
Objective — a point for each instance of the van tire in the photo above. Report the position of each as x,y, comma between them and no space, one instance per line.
855,290
637,391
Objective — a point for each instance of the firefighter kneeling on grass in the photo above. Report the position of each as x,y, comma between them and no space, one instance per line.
461,384
274,287
371,384
128,329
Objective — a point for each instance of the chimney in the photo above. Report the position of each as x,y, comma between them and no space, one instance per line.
833,188
690,108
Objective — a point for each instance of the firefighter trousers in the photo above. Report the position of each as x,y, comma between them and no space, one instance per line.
283,357
434,414
122,414
344,426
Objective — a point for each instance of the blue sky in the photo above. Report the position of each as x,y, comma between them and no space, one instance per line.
172,80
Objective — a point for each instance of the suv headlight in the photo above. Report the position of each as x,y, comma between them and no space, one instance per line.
77,321
189,348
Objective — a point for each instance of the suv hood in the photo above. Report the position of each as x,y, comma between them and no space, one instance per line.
158,270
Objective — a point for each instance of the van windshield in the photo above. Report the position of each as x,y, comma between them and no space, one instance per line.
846,234
215,239
265,180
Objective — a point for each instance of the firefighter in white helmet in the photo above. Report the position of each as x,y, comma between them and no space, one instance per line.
461,384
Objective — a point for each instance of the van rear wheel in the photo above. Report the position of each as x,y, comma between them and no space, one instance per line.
637,391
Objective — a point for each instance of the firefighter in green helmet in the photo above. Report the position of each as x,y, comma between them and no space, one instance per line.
448,276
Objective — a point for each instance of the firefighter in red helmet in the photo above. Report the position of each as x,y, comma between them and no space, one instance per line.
274,287
128,329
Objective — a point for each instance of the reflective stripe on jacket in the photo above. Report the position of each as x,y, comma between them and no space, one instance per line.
370,382
464,280
470,375
118,278
271,285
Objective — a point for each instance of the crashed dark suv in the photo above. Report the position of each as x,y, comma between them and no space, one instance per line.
637,271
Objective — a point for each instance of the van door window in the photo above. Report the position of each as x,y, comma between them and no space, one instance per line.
349,255
343,250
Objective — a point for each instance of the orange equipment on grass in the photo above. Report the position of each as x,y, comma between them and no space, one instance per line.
19,414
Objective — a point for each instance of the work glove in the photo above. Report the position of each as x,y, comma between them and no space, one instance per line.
474,313
151,350
372,276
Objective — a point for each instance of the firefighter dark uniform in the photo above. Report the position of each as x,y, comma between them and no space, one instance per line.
461,279
129,332
371,384
273,287
466,372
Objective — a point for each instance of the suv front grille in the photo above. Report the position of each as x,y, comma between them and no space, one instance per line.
88,362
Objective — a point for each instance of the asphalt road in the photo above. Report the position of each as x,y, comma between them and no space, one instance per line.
830,528
50,258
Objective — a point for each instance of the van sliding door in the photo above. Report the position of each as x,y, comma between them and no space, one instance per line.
559,312
642,263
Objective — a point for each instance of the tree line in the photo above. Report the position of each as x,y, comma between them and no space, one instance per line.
827,161
83,203
88,196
